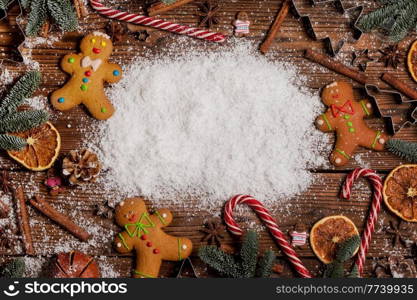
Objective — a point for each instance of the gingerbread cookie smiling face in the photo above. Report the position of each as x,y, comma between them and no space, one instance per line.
345,116
89,70
143,233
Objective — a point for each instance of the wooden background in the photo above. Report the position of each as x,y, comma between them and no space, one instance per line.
320,200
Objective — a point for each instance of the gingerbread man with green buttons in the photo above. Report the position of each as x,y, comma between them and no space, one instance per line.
345,116
143,233
89,70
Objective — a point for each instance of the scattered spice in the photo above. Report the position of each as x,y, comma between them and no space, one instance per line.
391,56
361,59
5,184
104,210
401,267
214,233
44,207
53,183
117,31
400,232
208,14
23,220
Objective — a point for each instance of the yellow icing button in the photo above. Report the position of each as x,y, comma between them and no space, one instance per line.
103,44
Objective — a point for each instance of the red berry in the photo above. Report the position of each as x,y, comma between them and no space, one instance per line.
149,244
143,237
156,251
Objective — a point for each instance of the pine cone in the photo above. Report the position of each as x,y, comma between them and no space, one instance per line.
81,167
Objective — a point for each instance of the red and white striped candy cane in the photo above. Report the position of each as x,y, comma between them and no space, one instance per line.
373,214
269,222
157,23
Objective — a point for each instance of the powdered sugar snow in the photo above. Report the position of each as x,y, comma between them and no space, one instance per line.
210,125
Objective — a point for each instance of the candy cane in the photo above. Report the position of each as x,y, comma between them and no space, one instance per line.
157,23
373,214
269,222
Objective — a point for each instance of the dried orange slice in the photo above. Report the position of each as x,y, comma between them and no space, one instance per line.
412,60
327,233
400,192
43,145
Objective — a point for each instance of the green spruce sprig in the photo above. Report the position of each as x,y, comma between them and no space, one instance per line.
396,18
14,269
168,1
345,251
12,120
61,11
4,4
244,265
403,149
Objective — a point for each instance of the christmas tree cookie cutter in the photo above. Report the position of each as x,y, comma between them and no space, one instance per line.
411,117
332,49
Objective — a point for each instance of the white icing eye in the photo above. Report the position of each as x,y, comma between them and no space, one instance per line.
164,215
184,247
320,122
338,160
368,105
122,203
119,245
381,141
131,202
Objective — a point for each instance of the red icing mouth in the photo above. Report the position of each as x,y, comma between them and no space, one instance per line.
96,50
132,218
335,96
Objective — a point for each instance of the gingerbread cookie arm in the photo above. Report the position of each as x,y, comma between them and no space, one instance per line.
162,217
112,73
366,107
70,62
175,248
124,243
325,122
373,139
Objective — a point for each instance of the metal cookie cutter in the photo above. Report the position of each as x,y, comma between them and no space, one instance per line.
306,20
411,116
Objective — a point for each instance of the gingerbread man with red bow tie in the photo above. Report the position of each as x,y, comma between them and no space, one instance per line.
345,116
89,70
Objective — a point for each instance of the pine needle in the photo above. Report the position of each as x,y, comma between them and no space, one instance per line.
11,142
14,269
403,149
24,120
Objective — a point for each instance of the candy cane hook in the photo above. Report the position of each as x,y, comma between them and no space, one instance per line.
157,23
373,214
269,222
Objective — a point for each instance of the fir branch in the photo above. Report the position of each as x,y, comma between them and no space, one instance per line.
403,149
348,248
168,1
24,120
334,270
25,3
265,264
11,142
63,13
20,91
14,269
249,254
354,273
4,4
37,17
222,262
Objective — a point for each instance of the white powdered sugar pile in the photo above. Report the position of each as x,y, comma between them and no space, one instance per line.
210,125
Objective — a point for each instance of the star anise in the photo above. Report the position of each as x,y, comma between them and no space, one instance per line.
117,31
391,56
8,237
400,232
214,233
5,184
208,14
104,210
142,35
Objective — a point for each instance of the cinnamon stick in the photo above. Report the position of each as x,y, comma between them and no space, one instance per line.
276,26
335,66
400,86
80,8
23,221
65,222
45,29
160,7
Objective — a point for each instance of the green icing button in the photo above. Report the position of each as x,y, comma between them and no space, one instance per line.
103,110
347,117
84,87
71,60
351,129
350,124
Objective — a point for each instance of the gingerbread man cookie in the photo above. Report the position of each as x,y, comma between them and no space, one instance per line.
89,70
143,233
345,116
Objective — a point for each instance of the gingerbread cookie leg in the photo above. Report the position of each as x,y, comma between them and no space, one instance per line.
99,107
342,152
374,139
65,98
147,265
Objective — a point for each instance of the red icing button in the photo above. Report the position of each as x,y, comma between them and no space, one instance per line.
88,73
149,244
156,251
143,237
96,50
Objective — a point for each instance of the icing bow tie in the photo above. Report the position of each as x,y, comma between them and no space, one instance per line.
139,228
87,62
345,108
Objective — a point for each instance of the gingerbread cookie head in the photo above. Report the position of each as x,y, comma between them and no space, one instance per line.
143,233
97,45
337,93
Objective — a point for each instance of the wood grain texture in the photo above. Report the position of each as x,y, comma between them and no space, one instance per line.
320,200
